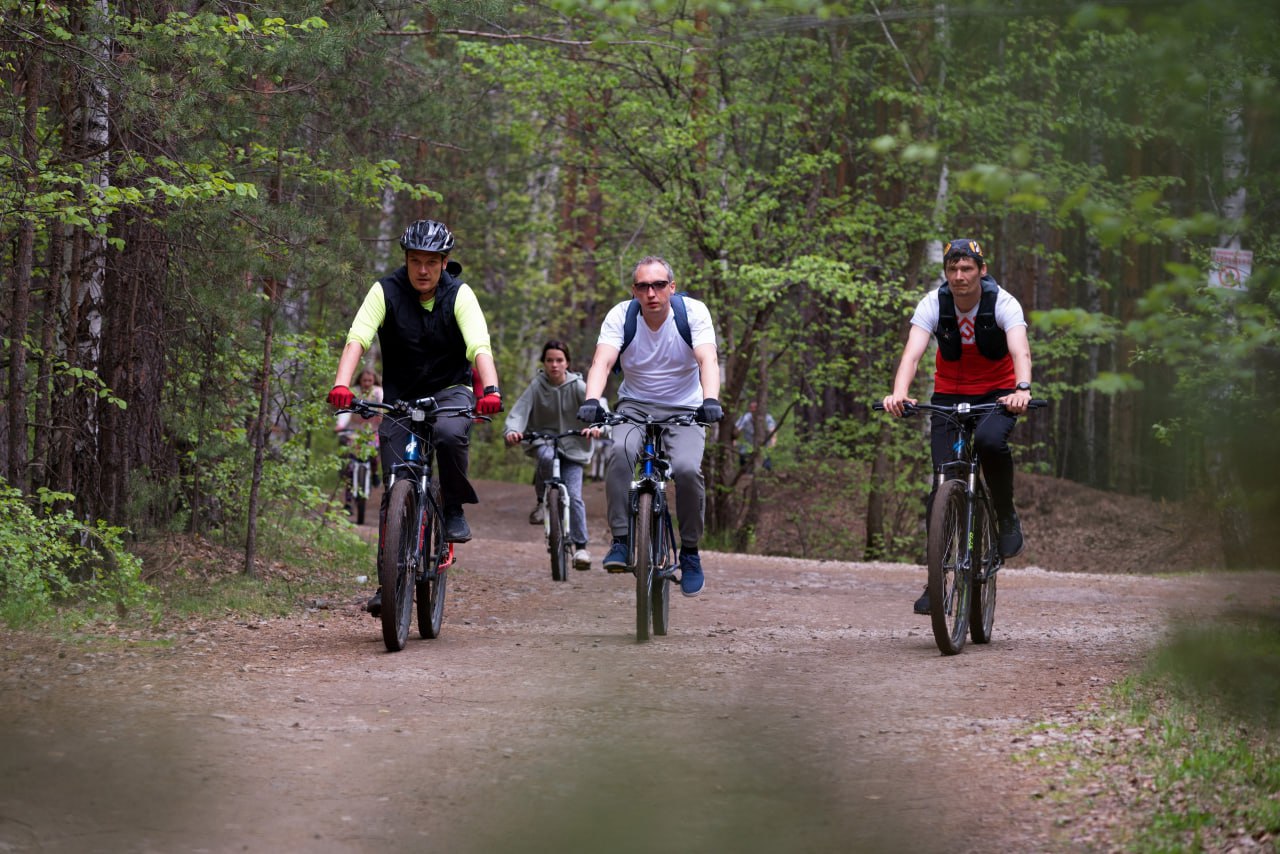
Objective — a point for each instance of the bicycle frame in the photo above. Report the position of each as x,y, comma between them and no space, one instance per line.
963,553
967,468
653,546
560,553
652,473
414,564
416,465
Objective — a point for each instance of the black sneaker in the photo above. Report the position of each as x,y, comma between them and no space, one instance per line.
374,605
922,604
456,529
1010,536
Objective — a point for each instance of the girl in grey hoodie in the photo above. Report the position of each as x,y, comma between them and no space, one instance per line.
550,403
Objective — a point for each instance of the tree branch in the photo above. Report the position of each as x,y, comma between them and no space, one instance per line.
478,34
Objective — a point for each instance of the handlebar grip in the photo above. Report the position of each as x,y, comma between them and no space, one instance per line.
878,407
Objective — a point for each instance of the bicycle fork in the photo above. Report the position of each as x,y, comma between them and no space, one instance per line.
662,534
547,509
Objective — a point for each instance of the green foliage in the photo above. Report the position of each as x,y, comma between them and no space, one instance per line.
51,559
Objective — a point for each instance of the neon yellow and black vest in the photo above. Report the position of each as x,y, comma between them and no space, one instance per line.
423,351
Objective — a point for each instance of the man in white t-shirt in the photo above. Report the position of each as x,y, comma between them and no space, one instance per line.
662,374
983,356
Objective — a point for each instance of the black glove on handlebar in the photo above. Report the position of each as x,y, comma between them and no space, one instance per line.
591,411
710,411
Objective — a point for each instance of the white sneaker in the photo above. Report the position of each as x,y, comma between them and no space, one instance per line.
582,559
537,516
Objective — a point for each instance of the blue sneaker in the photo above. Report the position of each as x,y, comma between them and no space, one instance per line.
616,559
690,574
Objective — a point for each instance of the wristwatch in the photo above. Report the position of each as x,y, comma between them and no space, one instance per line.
1023,386
493,389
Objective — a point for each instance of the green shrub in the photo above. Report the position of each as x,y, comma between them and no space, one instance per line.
49,559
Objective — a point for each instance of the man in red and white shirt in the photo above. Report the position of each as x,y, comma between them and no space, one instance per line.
983,355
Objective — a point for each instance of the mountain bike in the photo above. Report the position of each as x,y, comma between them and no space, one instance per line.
963,549
555,506
413,555
650,533
361,454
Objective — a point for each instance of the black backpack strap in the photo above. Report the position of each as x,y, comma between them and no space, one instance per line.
681,311
948,331
678,309
629,324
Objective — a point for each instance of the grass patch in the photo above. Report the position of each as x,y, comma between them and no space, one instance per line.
1186,758
195,577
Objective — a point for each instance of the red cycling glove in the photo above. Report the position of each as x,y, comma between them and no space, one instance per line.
341,397
490,403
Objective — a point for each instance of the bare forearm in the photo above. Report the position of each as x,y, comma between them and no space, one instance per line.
598,375
348,362
486,369
709,371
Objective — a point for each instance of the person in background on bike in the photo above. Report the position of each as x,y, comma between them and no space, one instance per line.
347,423
745,431
983,356
431,329
663,373
550,404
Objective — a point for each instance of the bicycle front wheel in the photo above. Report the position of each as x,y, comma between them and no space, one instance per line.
398,567
986,554
949,586
557,536
645,567
435,580
663,559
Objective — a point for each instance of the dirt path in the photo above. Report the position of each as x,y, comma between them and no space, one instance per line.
795,706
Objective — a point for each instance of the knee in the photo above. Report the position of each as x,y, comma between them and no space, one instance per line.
687,478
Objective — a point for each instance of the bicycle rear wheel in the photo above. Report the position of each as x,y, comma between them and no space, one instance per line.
556,534
398,566
949,587
643,546
986,552
435,580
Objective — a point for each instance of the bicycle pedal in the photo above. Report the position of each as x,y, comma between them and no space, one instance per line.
618,570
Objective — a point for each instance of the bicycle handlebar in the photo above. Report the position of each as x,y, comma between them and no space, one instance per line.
680,419
959,408
427,406
536,435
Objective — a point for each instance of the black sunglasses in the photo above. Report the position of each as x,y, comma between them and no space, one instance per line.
651,286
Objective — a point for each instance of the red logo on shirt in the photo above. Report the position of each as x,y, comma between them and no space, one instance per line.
966,330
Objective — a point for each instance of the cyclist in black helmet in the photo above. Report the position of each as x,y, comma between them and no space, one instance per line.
431,331
983,356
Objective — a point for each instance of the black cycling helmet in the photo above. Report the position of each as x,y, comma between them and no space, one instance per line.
427,235
964,248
